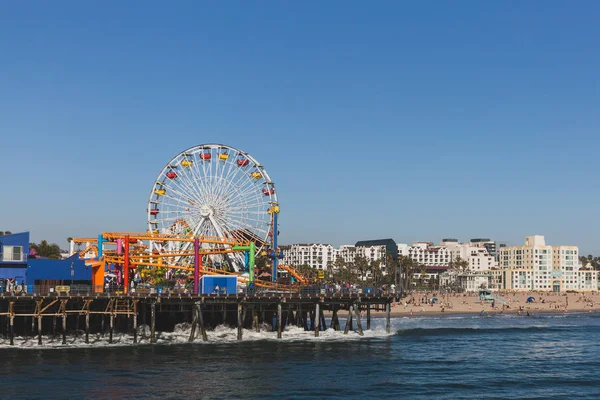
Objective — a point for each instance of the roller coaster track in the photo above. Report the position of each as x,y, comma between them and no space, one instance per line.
294,272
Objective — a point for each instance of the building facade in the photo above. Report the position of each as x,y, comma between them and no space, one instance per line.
538,266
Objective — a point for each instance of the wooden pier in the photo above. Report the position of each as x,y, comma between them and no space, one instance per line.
27,315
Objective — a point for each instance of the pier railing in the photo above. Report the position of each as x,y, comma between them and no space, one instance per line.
165,290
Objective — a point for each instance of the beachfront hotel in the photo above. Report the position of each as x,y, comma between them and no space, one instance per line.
538,266
322,256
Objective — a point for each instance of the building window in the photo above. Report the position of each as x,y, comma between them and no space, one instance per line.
12,253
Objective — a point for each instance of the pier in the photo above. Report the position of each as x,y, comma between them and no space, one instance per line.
31,315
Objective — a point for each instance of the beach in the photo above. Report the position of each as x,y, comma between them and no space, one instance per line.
419,303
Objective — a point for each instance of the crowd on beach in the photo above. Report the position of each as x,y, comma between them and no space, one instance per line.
521,303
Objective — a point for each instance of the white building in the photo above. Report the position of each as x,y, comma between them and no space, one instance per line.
467,281
316,255
323,256
425,253
538,266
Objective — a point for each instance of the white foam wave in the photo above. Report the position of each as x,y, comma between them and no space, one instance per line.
181,334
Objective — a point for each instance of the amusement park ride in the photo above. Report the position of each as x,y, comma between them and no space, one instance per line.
212,210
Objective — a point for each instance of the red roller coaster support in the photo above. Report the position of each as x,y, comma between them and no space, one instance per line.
197,264
126,266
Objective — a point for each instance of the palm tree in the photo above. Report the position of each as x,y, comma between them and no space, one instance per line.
362,265
460,264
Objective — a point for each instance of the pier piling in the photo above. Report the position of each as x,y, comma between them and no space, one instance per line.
87,326
201,321
387,317
368,316
112,325
348,320
135,328
240,321
316,320
255,320
358,323
39,330
278,320
153,322
64,328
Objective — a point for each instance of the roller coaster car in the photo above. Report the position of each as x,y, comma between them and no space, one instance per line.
267,192
223,156
205,156
171,175
242,162
160,192
256,175
154,211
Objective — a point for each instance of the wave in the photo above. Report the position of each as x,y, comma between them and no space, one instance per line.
447,331
181,333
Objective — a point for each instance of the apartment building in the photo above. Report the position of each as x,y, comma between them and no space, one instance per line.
538,266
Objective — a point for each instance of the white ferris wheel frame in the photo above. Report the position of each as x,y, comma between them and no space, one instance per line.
215,197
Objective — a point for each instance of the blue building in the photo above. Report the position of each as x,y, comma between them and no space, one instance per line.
14,252
17,263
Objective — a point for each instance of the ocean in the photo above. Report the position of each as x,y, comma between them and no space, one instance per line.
544,356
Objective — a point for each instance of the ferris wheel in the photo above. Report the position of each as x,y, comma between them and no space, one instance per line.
213,190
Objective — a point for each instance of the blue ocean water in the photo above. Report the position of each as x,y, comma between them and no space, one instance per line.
450,357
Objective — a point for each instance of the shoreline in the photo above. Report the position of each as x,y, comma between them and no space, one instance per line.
419,304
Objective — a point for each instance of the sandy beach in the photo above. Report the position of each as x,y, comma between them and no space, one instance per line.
419,303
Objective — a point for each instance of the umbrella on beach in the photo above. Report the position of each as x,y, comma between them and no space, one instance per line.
434,300
531,299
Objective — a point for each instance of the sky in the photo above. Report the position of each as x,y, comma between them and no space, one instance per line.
410,120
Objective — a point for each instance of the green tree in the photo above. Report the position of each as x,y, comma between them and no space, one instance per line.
361,264
44,249
406,270
375,271
460,264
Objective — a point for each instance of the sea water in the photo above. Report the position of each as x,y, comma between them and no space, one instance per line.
544,356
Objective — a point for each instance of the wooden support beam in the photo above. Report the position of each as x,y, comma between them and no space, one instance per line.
153,322
368,316
64,328
348,320
40,330
323,323
299,319
87,326
11,331
201,321
135,328
358,323
244,315
387,317
194,324
112,325
255,320
333,317
279,321
316,320
240,321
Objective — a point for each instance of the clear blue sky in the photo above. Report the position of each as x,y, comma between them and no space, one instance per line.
415,121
